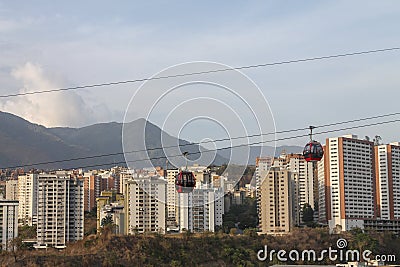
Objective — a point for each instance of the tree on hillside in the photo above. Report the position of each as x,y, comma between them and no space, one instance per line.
243,216
108,225
363,241
27,232
107,221
14,246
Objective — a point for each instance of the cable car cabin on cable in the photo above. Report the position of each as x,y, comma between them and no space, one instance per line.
185,182
313,151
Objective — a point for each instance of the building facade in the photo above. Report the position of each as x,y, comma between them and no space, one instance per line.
172,198
202,209
323,191
263,164
124,176
8,223
92,188
12,189
145,204
276,209
60,210
388,181
349,182
27,197
304,184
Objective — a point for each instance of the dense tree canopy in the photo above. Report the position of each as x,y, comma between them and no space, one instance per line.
244,216
189,249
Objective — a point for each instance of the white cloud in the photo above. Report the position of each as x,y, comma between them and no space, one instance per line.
7,25
49,109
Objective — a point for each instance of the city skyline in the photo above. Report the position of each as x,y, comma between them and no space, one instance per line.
139,133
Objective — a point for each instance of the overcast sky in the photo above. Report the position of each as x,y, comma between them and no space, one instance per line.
52,44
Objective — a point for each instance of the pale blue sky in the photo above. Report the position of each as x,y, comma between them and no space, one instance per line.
47,44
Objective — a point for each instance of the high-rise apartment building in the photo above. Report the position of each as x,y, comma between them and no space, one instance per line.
60,210
301,187
27,197
115,173
12,190
304,184
145,199
8,222
387,158
202,209
94,183
92,188
108,182
172,197
349,182
323,192
276,213
263,164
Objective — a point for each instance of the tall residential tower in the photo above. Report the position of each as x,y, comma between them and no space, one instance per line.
60,210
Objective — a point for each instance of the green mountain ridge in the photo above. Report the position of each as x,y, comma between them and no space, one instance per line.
24,143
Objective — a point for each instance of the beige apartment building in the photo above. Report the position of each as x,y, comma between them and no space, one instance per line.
145,205
12,190
275,202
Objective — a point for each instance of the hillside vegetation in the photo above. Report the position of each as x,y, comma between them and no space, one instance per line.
207,249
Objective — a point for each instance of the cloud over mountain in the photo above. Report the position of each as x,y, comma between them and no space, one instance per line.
49,109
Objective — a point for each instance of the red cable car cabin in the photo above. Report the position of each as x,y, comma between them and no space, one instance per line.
313,151
185,182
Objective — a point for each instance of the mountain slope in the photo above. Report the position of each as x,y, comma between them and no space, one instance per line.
24,143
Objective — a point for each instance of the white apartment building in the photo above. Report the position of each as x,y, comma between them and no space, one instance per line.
145,199
27,197
388,181
185,215
60,210
304,184
218,195
202,209
349,180
12,190
8,222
